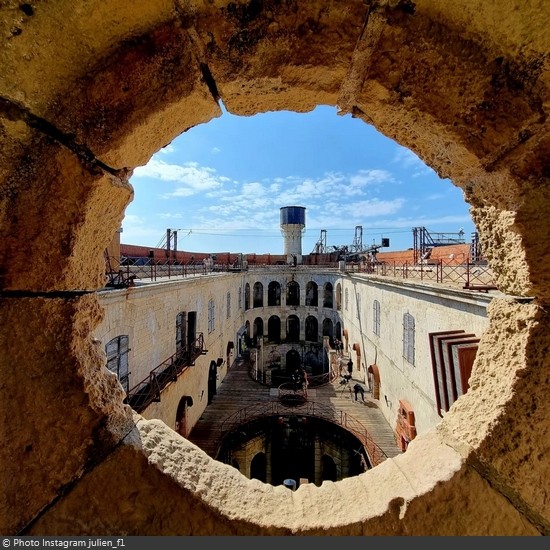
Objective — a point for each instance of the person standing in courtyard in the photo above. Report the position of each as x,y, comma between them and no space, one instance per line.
350,367
358,389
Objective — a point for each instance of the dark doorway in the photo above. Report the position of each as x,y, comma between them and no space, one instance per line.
293,294
293,329
274,329
293,361
258,467
312,329
212,376
328,472
181,415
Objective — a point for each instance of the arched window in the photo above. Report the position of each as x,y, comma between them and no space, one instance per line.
312,329
293,329
258,328
312,294
327,295
292,294
258,300
339,297
274,294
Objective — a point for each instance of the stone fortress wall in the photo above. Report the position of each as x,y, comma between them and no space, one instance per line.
91,89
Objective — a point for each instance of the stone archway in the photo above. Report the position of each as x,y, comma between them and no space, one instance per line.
463,85
182,426
374,380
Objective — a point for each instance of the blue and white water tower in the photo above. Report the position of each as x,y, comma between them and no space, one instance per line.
293,223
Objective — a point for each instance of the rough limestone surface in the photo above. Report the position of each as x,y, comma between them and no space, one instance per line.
62,409
90,89
278,55
189,494
510,381
58,209
506,253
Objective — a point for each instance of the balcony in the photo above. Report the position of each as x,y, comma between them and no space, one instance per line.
148,390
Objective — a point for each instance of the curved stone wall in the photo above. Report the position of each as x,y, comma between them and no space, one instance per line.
91,89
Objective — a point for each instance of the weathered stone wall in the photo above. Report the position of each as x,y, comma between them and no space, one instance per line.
147,314
434,308
91,89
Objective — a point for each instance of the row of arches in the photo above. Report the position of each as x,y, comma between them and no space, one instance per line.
293,329
475,107
297,447
254,297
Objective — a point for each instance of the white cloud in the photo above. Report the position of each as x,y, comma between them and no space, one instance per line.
170,216
191,177
138,230
435,197
425,222
180,192
132,219
253,188
333,185
167,149
333,200
374,208
410,162
371,177
330,183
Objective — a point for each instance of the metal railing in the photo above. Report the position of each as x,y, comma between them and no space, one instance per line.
314,381
292,394
373,452
149,269
469,275
149,389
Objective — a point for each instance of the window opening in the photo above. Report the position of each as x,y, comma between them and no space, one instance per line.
210,315
408,338
376,317
117,359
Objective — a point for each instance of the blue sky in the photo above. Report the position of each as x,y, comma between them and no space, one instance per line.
222,184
